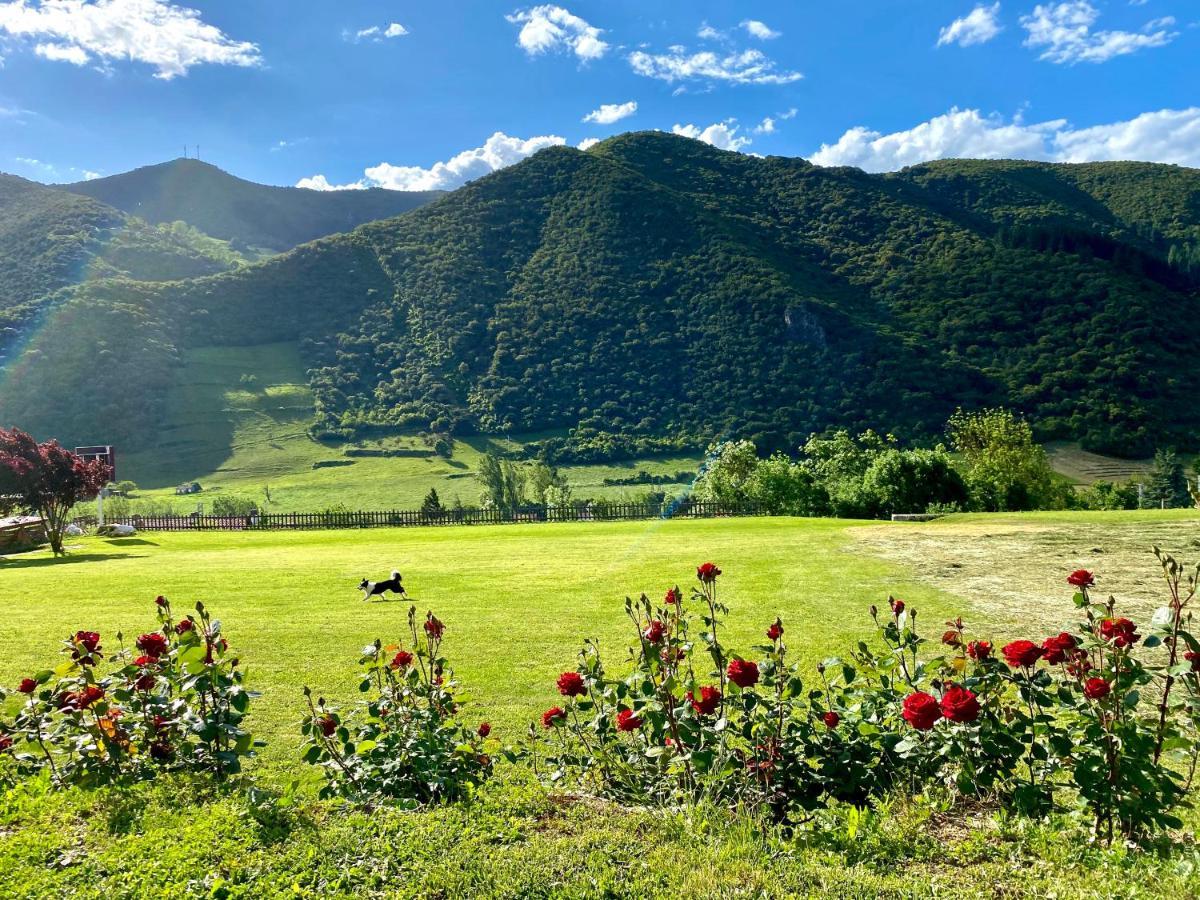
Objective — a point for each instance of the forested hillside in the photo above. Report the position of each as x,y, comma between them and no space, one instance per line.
249,214
654,292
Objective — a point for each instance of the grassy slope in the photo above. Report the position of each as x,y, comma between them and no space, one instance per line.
240,438
517,601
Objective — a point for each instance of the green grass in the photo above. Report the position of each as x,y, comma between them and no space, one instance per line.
238,422
517,601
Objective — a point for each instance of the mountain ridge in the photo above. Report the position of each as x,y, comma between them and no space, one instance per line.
235,209
654,292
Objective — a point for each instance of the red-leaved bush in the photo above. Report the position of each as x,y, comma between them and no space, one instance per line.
1073,719
174,701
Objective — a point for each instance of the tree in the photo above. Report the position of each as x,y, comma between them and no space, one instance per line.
726,473
47,480
431,506
911,481
1005,469
547,485
783,487
1167,486
503,483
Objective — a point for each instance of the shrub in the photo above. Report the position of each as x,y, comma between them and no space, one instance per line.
1035,725
174,701
404,742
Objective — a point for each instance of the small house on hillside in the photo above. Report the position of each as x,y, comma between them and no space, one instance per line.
22,533
191,487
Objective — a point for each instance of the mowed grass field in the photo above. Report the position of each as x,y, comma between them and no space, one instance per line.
517,601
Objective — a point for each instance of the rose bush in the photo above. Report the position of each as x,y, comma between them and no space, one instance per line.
1078,719
174,701
405,742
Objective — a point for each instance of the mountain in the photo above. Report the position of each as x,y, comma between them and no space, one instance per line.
654,292
248,214
51,239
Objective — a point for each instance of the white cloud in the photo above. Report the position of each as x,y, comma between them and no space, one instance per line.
549,28
1063,32
766,126
722,135
377,33
608,113
170,38
1167,136
759,30
978,26
63,53
321,183
588,143
789,114
708,33
497,152
744,67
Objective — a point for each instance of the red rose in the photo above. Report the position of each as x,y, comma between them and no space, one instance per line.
1096,688
831,719
77,700
707,573
1191,656
742,672
775,632
87,645
1056,649
553,716
1120,632
402,660
1081,578
152,644
1021,654
144,682
5,742
484,729
184,626
328,725
570,684
896,605
160,600
653,632
921,710
951,638
434,627
979,650
710,699
627,721
673,596
959,704
27,686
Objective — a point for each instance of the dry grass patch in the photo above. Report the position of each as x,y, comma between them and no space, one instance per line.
1012,569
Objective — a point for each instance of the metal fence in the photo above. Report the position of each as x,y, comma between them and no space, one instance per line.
594,512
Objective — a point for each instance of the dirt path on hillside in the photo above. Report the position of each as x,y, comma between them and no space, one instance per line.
1015,571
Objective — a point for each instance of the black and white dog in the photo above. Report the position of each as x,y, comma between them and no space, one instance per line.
379,588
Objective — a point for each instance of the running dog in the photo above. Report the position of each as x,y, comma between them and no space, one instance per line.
379,588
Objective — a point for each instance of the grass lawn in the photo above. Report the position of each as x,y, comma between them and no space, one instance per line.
517,601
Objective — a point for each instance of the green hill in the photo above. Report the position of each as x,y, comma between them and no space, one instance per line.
249,214
654,293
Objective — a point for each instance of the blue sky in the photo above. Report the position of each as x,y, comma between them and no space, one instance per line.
423,94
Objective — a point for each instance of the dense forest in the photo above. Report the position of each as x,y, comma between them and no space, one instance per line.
654,293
